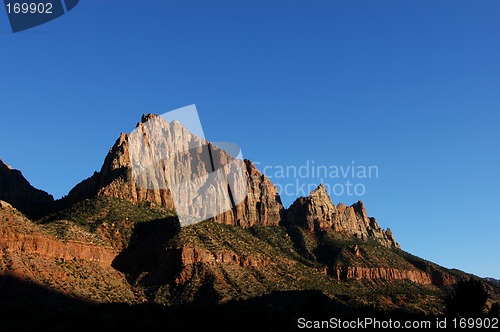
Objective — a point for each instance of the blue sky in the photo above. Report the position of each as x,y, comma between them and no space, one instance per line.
409,86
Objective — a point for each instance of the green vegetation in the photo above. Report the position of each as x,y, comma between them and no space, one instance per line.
93,212
104,220
335,249
209,262
267,261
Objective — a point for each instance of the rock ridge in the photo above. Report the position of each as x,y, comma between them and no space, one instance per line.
17,191
317,213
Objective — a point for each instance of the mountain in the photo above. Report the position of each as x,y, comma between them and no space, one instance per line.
493,280
262,206
112,240
317,213
77,266
16,190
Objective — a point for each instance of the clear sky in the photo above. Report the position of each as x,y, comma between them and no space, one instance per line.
411,87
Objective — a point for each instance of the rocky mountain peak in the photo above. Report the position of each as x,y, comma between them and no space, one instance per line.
320,193
317,213
116,178
359,207
146,117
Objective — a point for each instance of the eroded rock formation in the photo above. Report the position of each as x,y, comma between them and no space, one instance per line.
317,212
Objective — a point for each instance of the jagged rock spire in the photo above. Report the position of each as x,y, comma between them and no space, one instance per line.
317,212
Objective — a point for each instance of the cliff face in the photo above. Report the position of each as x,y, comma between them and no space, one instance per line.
389,274
262,206
116,179
428,277
188,257
48,247
16,190
317,212
78,269
191,161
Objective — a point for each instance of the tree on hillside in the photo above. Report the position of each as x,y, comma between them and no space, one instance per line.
494,310
468,299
